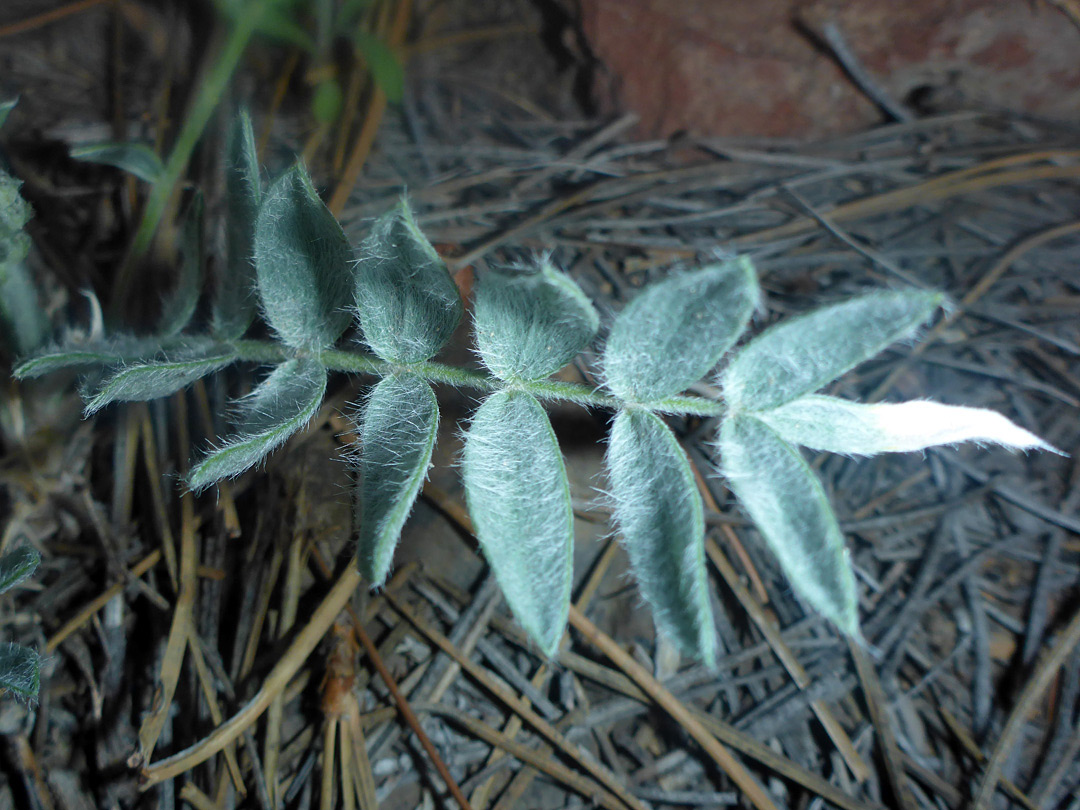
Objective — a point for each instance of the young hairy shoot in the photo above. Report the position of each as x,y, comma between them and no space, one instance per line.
288,253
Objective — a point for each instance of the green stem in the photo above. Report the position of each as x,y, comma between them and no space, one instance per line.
206,100
262,351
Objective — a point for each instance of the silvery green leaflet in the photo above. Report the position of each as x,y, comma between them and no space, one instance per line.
288,254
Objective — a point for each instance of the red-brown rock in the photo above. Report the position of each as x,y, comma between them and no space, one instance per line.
738,67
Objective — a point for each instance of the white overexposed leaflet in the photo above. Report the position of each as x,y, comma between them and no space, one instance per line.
853,428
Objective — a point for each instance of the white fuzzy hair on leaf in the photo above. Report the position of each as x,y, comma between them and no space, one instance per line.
103,352
407,303
397,433
19,671
530,322
302,264
519,500
163,376
800,355
279,407
789,506
17,565
659,513
674,332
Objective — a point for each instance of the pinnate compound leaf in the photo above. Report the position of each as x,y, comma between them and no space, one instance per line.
659,514
400,421
407,302
302,264
160,377
857,429
93,353
19,671
801,355
787,502
234,303
670,335
17,565
134,158
519,500
282,404
529,325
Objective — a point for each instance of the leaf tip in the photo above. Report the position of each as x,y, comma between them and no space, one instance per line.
549,642
197,480
93,405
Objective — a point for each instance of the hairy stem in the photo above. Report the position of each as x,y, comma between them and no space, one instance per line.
262,351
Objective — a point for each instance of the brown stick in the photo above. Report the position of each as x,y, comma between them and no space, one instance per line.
879,718
669,703
1039,682
80,618
47,17
603,776
407,714
787,658
989,279
375,110
302,646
